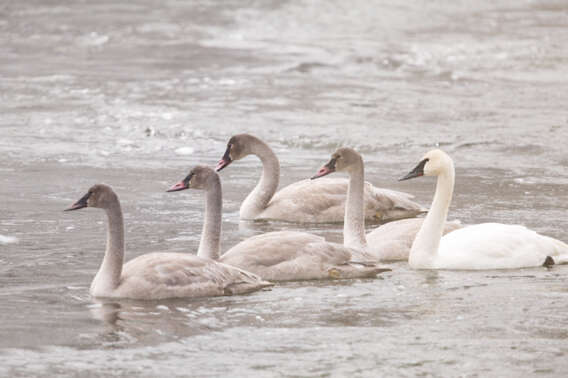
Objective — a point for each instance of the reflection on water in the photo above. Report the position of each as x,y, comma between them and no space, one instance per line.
137,95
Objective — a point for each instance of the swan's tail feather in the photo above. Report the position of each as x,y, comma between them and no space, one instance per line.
548,262
355,271
245,287
561,251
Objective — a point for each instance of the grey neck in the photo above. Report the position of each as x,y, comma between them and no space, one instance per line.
209,245
258,199
108,276
354,222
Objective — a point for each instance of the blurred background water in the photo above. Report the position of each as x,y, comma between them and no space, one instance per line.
135,93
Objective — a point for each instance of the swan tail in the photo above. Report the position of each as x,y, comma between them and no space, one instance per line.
356,270
245,287
560,255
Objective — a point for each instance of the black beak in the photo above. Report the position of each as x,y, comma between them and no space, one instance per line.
328,168
79,204
225,160
416,172
182,185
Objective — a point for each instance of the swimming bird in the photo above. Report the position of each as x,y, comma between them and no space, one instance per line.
389,242
308,201
283,255
157,275
480,246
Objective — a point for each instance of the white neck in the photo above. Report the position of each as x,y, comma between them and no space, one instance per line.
211,233
258,199
354,222
425,247
108,277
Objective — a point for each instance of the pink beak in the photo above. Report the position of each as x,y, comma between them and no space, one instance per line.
177,187
323,171
222,164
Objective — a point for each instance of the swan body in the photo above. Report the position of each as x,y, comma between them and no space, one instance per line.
481,246
496,246
280,256
157,275
176,275
390,241
291,255
308,201
323,201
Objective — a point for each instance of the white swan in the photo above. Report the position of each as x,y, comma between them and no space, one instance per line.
389,242
481,246
307,201
157,275
285,255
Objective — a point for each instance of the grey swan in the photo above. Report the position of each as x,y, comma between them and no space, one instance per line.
308,201
389,242
157,276
278,256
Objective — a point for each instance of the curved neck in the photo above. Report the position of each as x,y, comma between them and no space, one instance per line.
108,276
425,247
211,233
354,222
258,199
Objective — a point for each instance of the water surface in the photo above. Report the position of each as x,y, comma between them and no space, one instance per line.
133,94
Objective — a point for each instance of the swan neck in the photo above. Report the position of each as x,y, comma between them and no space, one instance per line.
354,221
209,245
108,276
261,195
425,247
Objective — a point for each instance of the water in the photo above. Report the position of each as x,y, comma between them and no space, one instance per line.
134,94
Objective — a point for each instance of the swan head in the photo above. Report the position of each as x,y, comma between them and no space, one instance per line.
100,195
434,163
342,160
238,147
198,178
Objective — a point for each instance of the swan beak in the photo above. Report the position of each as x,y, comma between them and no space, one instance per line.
326,169
79,204
225,160
416,172
182,185
222,164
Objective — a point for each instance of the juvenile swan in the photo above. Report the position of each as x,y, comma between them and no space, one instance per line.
308,201
389,242
157,275
481,246
280,256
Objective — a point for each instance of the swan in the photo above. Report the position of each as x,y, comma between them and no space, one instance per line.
281,255
157,275
480,246
307,201
389,242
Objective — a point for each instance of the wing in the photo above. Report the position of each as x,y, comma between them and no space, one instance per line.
288,255
269,249
171,275
323,200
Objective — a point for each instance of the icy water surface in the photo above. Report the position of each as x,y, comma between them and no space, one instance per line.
135,93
